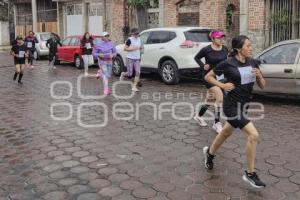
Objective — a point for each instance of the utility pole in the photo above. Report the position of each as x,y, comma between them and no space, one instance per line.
294,16
34,15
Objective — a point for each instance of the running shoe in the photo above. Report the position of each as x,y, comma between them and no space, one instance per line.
200,120
135,89
253,180
208,159
122,76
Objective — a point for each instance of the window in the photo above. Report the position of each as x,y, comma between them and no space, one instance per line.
157,37
197,35
97,40
66,41
74,41
230,16
45,36
283,54
144,37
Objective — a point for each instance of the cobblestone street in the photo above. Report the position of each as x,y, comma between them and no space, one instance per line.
43,158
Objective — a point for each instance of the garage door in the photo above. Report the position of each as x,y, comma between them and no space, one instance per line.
95,18
74,23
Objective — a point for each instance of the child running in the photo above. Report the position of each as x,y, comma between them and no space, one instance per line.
20,52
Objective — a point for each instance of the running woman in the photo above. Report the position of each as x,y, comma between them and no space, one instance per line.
52,43
134,47
30,41
241,72
213,54
105,51
86,45
20,52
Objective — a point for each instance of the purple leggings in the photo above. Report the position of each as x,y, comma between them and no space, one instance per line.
133,64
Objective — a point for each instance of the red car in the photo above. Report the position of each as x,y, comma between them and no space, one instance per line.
70,50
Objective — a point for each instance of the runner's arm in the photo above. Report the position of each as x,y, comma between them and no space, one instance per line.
199,56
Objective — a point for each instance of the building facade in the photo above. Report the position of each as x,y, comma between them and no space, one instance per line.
36,15
94,16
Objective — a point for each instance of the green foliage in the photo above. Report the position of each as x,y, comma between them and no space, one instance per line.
136,3
229,18
142,3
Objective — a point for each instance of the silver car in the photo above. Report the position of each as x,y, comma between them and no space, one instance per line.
281,68
41,48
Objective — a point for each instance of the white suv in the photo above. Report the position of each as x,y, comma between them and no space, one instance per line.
168,51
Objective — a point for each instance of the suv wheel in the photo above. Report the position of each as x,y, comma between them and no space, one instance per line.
169,72
36,55
78,62
118,66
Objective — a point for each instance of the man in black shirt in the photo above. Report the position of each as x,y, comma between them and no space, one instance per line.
241,72
19,51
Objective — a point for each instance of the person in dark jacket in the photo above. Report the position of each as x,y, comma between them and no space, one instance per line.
52,45
30,42
86,46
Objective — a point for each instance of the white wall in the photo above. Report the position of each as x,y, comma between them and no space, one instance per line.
4,33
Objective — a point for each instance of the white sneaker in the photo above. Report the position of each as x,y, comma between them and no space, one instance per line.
135,89
122,76
31,66
200,120
218,127
54,67
86,74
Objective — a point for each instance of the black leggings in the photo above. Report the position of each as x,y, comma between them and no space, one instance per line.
30,57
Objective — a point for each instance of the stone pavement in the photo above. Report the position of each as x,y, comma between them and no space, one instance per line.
42,158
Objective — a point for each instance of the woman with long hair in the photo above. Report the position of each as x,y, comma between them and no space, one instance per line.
86,46
241,72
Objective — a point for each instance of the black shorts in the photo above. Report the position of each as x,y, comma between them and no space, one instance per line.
19,61
236,113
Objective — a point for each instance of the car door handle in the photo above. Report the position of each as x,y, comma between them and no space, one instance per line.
162,48
288,70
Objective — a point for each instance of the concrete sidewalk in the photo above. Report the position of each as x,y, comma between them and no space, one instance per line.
4,48
5,59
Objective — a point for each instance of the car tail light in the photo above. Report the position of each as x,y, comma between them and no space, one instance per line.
41,46
187,44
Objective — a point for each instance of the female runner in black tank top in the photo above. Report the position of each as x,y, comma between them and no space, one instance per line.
213,54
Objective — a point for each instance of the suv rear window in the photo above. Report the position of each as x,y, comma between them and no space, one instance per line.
161,37
45,36
197,35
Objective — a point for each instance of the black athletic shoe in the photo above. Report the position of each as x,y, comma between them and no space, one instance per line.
208,159
253,179
20,82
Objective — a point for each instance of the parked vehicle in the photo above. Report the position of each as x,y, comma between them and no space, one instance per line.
168,51
70,50
41,48
281,68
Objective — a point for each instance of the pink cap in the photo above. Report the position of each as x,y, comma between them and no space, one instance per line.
217,34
